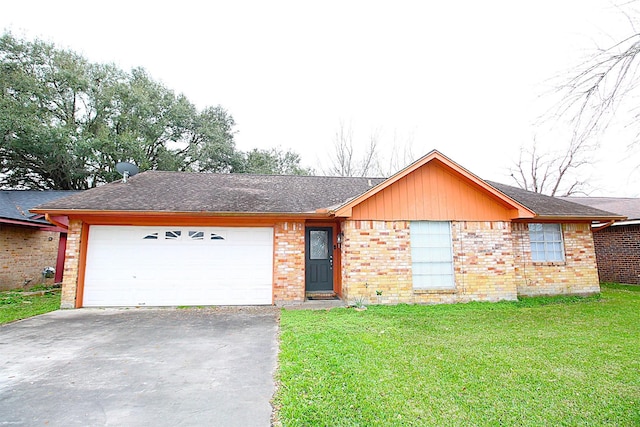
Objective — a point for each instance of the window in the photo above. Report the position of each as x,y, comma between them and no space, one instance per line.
319,244
152,236
172,235
196,235
431,255
546,242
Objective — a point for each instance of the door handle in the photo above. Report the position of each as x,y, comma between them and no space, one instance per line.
331,261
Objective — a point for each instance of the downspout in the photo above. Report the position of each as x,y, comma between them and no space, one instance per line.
62,246
602,227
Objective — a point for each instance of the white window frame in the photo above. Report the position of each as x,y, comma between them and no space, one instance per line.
432,255
546,242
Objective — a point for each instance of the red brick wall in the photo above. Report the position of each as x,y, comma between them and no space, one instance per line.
618,254
288,262
71,265
24,253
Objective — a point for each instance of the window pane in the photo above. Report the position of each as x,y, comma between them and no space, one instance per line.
196,235
319,244
431,254
172,235
535,227
546,242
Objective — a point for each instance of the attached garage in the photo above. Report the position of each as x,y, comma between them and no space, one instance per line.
181,265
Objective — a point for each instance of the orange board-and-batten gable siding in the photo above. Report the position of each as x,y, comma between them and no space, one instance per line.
434,188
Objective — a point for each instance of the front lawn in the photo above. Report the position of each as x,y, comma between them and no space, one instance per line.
15,305
537,362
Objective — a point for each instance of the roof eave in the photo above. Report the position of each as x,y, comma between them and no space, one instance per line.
627,222
571,218
24,223
93,212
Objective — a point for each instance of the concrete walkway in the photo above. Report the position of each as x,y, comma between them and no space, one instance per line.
139,367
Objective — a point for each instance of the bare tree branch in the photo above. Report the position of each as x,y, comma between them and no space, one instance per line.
549,172
345,161
591,97
342,157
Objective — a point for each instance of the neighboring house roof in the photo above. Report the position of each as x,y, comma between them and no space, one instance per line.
625,206
245,194
554,207
217,193
15,206
629,207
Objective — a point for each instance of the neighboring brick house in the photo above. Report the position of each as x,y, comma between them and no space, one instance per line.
432,233
28,242
617,244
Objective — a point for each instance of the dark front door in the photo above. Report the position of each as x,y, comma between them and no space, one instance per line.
319,259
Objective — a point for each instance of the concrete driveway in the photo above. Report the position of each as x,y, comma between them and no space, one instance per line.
139,367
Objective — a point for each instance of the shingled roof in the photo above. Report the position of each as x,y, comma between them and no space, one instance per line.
15,204
156,191
552,207
225,193
629,207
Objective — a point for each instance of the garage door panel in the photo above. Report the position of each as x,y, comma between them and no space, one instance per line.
182,266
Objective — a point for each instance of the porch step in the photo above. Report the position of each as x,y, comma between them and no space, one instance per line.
321,295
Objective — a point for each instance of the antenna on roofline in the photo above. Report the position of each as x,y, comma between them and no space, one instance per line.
126,169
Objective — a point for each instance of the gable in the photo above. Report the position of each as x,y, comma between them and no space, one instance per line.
434,191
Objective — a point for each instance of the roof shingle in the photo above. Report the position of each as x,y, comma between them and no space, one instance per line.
208,192
157,191
626,206
547,206
15,204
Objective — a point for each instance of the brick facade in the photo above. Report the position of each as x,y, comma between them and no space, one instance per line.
289,262
24,253
618,254
483,261
492,262
578,273
71,265
377,258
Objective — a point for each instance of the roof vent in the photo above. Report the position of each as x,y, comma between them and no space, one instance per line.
126,169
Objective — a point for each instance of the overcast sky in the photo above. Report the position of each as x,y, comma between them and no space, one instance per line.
469,78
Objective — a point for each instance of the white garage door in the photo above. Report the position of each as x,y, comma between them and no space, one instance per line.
166,266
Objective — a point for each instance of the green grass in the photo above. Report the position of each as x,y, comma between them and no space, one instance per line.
538,362
14,305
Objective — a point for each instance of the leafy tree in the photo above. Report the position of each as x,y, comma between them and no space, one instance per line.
65,122
274,161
